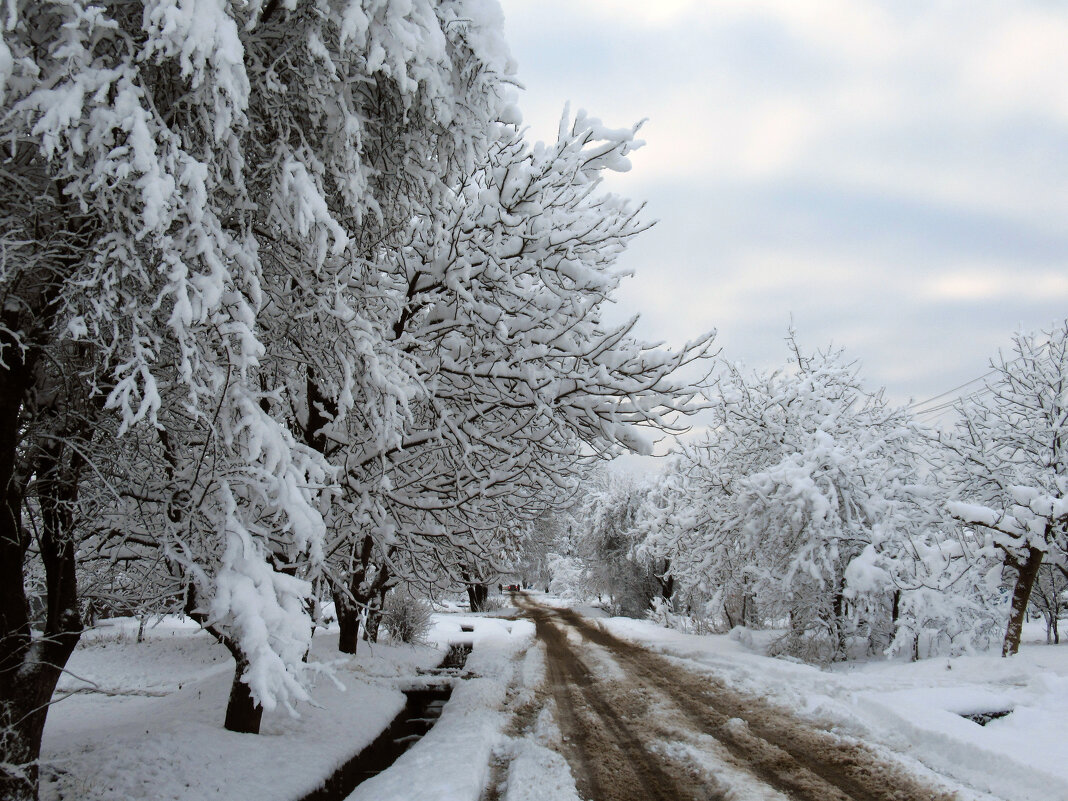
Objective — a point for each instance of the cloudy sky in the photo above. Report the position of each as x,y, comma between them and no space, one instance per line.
893,175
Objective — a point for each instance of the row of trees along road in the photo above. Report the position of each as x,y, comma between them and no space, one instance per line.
290,308
816,506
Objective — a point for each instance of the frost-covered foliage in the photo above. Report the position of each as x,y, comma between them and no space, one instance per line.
229,159
1050,599
568,577
815,506
598,557
499,289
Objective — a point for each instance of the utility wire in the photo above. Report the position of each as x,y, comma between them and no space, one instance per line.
949,404
951,401
983,377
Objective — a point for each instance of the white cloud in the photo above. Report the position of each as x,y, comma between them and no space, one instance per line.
994,283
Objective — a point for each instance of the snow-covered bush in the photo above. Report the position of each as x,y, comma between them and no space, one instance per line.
407,618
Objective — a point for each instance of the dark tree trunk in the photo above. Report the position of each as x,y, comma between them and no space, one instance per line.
839,609
359,595
477,595
18,694
40,435
30,666
1026,573
374,614
243,714
348,618
667,585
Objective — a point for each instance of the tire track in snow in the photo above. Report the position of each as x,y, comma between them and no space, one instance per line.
773,745
608,754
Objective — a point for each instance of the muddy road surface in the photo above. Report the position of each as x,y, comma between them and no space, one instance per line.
637,727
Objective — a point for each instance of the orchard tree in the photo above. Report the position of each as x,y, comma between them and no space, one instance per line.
609,522
1008,464
1048,598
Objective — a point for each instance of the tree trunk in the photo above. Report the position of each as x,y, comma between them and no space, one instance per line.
30,666
350,601
837,627
374,620
243,714
477,594
1026,573
374,614
42,435
667,586
348,618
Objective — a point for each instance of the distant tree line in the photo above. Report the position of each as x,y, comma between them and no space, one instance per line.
813,505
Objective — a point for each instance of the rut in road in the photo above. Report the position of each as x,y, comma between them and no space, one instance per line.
609,758
618,756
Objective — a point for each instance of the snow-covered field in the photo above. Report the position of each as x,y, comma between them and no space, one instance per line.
144,720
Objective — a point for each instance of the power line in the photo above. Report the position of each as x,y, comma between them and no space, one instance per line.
986,390
983,377
953,402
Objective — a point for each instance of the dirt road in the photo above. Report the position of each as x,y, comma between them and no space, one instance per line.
638,727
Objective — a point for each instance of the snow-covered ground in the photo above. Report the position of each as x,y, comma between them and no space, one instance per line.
912,710
144,721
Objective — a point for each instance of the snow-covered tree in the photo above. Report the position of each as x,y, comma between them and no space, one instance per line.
1050,598
607,532
182,181
1008,464
803,473
500,290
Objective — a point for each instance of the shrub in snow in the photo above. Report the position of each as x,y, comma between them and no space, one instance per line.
493,603
663,612
407,618
742,636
